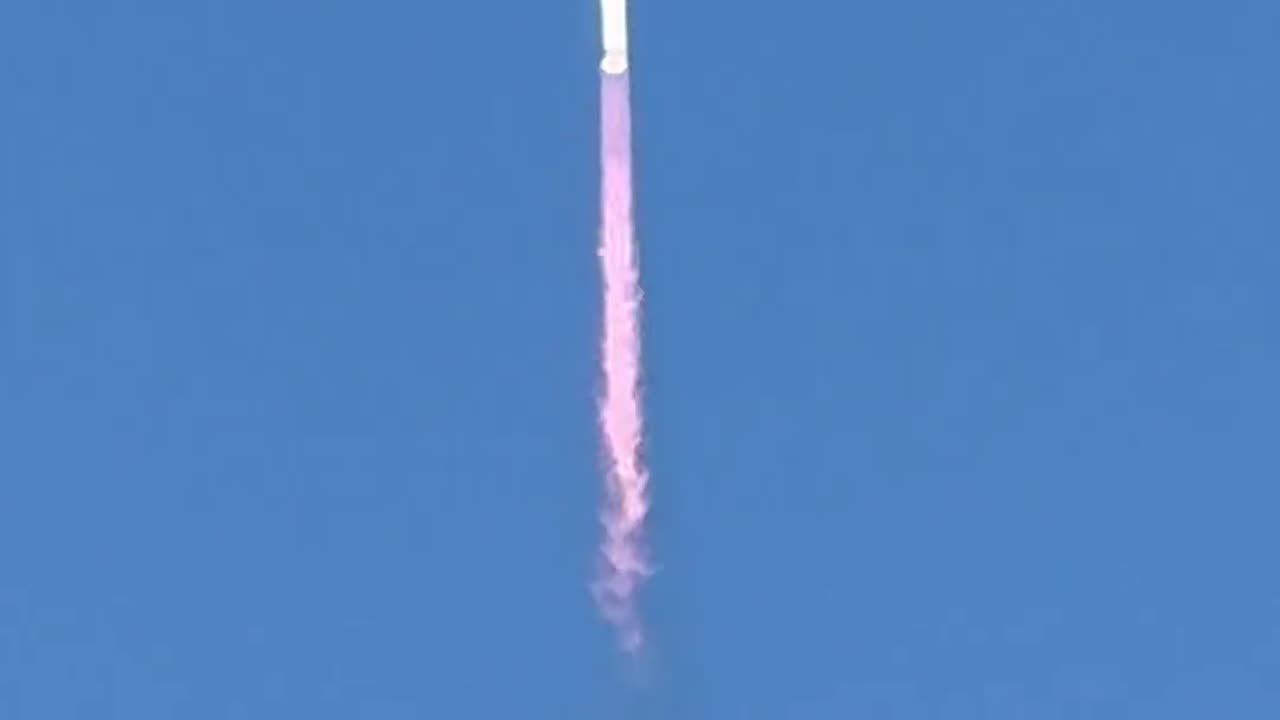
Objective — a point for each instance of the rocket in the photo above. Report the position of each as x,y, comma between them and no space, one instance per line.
613,31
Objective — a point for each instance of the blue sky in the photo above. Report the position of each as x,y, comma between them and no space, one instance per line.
961,342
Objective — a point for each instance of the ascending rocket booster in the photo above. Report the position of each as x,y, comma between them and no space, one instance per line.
613,30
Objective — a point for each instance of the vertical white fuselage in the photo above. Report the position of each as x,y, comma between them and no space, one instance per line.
613,30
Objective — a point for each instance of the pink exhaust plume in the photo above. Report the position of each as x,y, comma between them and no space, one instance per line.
623,564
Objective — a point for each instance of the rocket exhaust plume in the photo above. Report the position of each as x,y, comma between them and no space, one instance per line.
623,564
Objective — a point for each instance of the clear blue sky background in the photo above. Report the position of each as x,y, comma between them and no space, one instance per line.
962,341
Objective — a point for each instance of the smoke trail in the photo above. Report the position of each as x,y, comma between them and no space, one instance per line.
623,563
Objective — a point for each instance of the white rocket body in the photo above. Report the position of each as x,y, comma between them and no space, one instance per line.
613,30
